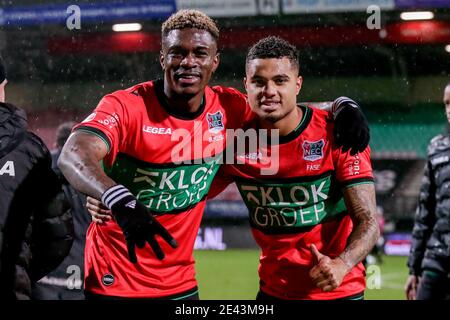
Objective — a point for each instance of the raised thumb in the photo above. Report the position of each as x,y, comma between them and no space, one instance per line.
316,254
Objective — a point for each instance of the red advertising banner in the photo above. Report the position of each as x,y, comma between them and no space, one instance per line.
414,32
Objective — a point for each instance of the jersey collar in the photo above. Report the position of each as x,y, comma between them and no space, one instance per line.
179,114
304,122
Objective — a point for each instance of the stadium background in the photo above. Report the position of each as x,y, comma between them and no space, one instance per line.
397,73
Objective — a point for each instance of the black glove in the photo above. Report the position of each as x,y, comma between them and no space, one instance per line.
351,129
136,221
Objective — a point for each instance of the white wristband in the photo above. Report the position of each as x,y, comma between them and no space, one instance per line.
114,194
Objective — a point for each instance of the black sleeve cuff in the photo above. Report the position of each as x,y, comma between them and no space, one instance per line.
98,133
354,182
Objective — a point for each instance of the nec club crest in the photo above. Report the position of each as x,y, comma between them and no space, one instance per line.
313,151
215,123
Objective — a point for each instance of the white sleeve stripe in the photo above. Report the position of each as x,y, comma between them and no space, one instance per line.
118,198
112,189
339,101
114,194
111,192
337,105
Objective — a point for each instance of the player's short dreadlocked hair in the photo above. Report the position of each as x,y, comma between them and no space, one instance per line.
187,19
274,47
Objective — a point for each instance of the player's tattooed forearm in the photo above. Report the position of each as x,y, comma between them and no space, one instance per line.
360,201
81,164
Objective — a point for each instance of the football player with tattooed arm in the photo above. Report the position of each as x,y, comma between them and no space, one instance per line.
315,217
156,198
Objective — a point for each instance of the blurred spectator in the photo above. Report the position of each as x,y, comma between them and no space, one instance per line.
66,282
35,220
429,258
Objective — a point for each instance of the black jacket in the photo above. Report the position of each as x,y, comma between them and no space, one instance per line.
66,281
36,228
431,233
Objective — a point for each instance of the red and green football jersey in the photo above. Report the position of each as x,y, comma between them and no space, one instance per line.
299,205
168,161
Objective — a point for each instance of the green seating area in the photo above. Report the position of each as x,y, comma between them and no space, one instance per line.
404,132
402,140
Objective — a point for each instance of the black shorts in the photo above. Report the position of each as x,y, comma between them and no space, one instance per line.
191,294
262,296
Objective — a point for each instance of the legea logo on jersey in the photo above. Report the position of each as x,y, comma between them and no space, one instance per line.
215,123
156,130
313,151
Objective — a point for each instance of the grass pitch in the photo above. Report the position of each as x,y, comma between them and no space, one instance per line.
232,275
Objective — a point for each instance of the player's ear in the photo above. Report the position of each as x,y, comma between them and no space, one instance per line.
299,83
216,61
161,59
245,83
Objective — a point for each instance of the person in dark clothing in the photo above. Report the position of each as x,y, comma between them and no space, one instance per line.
429,259
36,228
66,281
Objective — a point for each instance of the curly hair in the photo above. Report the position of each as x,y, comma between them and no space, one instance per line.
273,47
186,19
